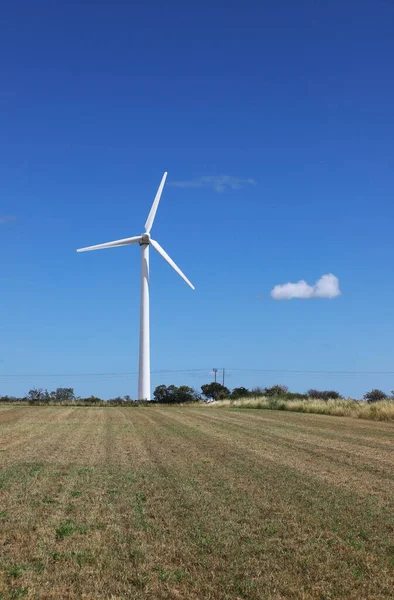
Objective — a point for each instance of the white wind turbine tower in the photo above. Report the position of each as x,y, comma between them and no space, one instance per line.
144,241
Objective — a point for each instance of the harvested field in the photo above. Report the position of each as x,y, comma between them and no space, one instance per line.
194,503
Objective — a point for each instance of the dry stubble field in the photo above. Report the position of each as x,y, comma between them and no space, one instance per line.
194,503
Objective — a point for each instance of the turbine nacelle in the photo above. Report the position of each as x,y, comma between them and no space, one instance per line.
145,239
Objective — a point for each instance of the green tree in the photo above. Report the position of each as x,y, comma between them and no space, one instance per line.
239,392
63,395
186,394
36,395
160,393
276,390
375,396
215,390
172,394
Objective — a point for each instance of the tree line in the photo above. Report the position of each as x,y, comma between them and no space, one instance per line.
172,394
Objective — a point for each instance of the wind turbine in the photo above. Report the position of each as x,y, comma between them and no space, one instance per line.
144,240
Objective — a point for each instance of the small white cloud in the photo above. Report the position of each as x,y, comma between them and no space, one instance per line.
292,290
326,287
7,219
219,183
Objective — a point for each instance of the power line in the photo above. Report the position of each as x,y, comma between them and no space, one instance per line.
309,372
196,371
113,374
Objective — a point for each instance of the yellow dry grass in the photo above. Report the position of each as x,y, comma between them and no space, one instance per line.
194,503
379,411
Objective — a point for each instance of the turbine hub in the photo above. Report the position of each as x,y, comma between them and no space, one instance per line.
145,237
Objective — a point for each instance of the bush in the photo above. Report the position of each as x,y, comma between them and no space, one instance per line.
294,396
276,403
91,400
9,399
116,401
239,392
276,390
257,392
323,395
375,396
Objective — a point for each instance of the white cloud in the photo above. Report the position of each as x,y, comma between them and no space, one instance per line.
219,183
326,287
292,290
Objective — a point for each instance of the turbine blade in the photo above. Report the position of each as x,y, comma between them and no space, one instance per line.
164,254
152,214
124,242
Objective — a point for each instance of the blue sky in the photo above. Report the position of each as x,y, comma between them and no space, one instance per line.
97,101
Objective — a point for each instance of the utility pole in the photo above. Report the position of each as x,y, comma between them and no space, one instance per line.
215,371
223,376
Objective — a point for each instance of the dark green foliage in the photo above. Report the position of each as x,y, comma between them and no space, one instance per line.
215,391
375,396
294,396
118,401
91,400
161,393
323,394
239,392
183,394
256,392
63,395
9,399
35,396
276,390
186,394
172,394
